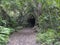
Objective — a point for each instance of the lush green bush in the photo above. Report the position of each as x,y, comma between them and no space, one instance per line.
57,43
49,37
49,22
50,17
2,22
4,35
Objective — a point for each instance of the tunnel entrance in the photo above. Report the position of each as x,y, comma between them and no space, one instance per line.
31,22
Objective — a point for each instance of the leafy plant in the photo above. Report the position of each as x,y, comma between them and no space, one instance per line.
47,38
49,22
50,15
4,35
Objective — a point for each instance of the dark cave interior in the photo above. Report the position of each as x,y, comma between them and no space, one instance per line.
31,22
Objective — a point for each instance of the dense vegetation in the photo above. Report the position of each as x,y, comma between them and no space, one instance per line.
49,23
4,35
14,13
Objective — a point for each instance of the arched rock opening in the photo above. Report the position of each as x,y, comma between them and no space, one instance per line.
31,21
27,21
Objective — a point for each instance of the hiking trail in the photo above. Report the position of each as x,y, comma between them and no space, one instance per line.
26,36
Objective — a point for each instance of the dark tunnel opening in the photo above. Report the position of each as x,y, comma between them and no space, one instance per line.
31,22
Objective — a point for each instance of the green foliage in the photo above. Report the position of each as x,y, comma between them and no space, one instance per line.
48,38
3,22
49,22
57,43
13,23
4,35
50,15
18,11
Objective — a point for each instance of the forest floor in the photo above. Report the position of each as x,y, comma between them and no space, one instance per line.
26,36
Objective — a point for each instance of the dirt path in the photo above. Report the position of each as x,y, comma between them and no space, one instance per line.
24,37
